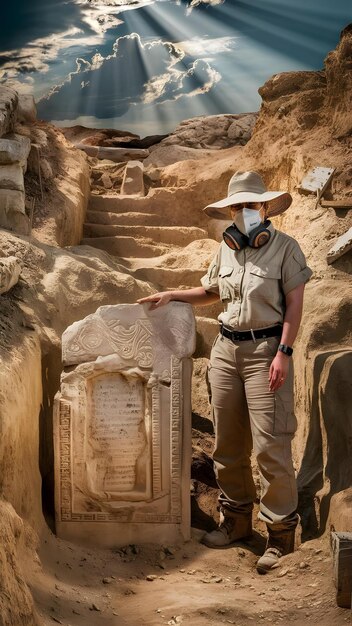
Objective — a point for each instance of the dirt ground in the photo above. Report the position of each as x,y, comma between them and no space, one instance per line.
188,584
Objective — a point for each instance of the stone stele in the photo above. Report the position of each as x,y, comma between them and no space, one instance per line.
122,426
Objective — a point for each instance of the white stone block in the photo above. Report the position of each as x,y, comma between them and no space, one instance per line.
102,333
340,247
12,211
122,427
27,111
133,183
14,149
11,177
8,109
12,201
121,154
10,269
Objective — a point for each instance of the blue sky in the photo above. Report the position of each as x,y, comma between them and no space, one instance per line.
144,65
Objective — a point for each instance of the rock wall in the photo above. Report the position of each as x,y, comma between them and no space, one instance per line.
44,181
59,181
14,152
20,482
17,543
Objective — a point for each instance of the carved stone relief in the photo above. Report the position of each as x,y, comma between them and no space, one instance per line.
122,427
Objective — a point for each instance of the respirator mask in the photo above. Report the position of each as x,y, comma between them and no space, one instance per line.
247,230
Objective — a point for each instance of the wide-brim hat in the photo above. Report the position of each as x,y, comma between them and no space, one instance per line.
249,187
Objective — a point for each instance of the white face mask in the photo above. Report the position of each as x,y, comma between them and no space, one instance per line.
247,220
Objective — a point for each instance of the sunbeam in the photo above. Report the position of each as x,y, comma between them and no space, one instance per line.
148,64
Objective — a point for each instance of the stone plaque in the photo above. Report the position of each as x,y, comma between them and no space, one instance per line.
117,433
122,427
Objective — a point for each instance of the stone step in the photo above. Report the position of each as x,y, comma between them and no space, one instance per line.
173,203
135,218
122,203
173,235
127,246
163,278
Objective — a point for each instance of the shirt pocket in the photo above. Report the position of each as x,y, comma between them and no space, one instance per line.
264,283
225,285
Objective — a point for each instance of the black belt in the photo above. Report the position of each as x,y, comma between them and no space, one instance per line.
247,335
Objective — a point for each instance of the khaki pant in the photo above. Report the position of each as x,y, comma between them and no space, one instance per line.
247,415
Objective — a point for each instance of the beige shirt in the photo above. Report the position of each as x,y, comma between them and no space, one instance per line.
252,283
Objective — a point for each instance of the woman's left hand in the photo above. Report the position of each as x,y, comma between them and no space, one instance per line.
278,371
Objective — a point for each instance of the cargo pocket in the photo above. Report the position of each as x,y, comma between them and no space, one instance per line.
285,422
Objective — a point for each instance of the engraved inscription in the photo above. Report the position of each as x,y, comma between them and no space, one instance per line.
65,460
117,435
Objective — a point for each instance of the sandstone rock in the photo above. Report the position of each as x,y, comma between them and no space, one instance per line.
212,131
34,158
122,154
91,151
10,269
38,136
27,111
287,83
117,155
11,216
106,181
339,84
11,201
96,137
12,211
133,183
14,149
17,606
11,177
241,130
46,169
146,142
164,155
8,109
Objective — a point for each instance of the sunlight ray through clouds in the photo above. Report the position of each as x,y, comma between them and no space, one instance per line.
128,63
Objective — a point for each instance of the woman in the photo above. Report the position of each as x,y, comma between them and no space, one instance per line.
259,273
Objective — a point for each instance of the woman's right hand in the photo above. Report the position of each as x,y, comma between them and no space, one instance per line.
157,299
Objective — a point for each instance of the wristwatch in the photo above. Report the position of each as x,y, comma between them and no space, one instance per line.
285,349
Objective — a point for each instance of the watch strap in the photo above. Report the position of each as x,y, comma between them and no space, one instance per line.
285,349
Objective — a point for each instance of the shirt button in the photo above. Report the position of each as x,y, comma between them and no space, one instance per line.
241,270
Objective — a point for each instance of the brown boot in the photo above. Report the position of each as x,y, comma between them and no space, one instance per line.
281,541
231,528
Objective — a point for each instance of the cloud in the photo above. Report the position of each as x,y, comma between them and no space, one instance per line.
196,3
101,15
199,78
198,47
135,72
40,53
93,19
